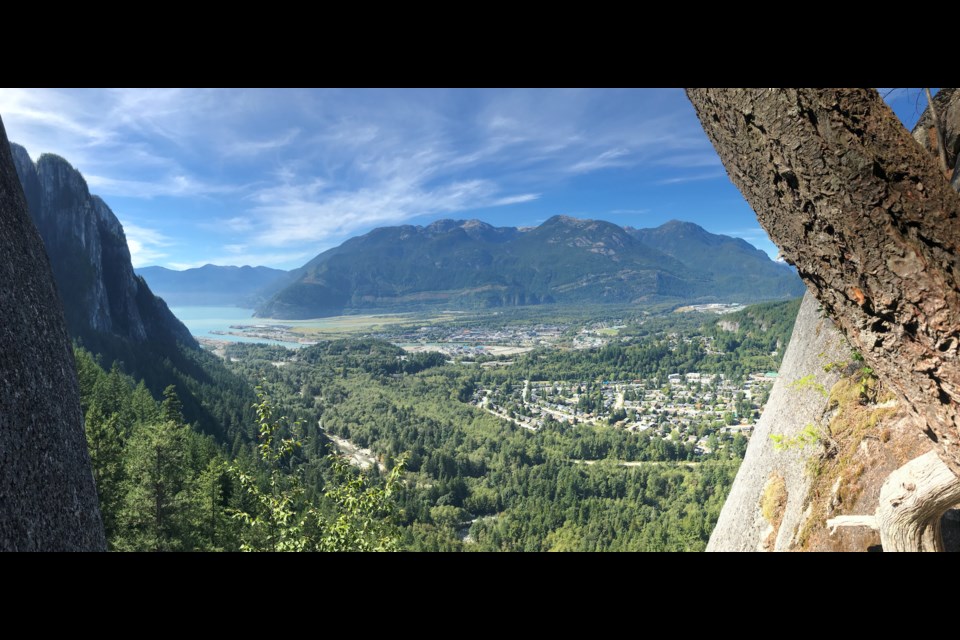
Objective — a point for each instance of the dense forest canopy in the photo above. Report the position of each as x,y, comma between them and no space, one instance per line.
469,480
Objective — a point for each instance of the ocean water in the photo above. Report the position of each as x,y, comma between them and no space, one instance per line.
201,321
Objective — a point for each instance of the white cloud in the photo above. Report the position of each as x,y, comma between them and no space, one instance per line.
298,214
687,160
749,232
146,245
518,199
238,224
298,168
175,186
610,158
251,147
118,139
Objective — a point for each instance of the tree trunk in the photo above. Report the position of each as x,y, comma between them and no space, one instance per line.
938,134
870,223
912,503
947,106
872,226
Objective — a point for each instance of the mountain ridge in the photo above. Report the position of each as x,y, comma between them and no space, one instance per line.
213,285
472,264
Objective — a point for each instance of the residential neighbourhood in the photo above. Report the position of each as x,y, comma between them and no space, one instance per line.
696,408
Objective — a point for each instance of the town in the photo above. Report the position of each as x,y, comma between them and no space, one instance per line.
701,409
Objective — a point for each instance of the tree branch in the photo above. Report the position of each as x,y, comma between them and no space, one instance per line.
938,129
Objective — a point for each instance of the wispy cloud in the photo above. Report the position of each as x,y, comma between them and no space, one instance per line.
172,186
518,199
744,232
753,235
689,160
302,169
254,147
298,213
610,158
709,175
237,224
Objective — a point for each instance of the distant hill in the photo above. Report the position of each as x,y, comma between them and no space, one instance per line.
212,285
471,264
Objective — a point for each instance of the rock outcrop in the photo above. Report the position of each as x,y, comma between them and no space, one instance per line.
90,258
765,508
821,451
48,501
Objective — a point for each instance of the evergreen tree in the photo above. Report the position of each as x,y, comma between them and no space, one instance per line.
172,408
106,457
352,516
152,517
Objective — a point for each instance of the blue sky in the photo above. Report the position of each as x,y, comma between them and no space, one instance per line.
273,177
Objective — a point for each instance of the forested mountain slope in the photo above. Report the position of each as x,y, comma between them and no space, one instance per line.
471,264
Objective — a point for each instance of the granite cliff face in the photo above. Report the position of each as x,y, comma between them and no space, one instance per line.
48,501
89,255
766,506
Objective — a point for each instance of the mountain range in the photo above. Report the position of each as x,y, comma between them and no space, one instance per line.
449,263
471,264
212,285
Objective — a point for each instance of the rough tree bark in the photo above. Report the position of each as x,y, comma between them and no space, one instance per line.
868,219
912,503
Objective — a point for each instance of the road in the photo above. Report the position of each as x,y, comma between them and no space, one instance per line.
506,417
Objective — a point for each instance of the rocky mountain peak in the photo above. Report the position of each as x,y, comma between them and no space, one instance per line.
89,255
565,260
